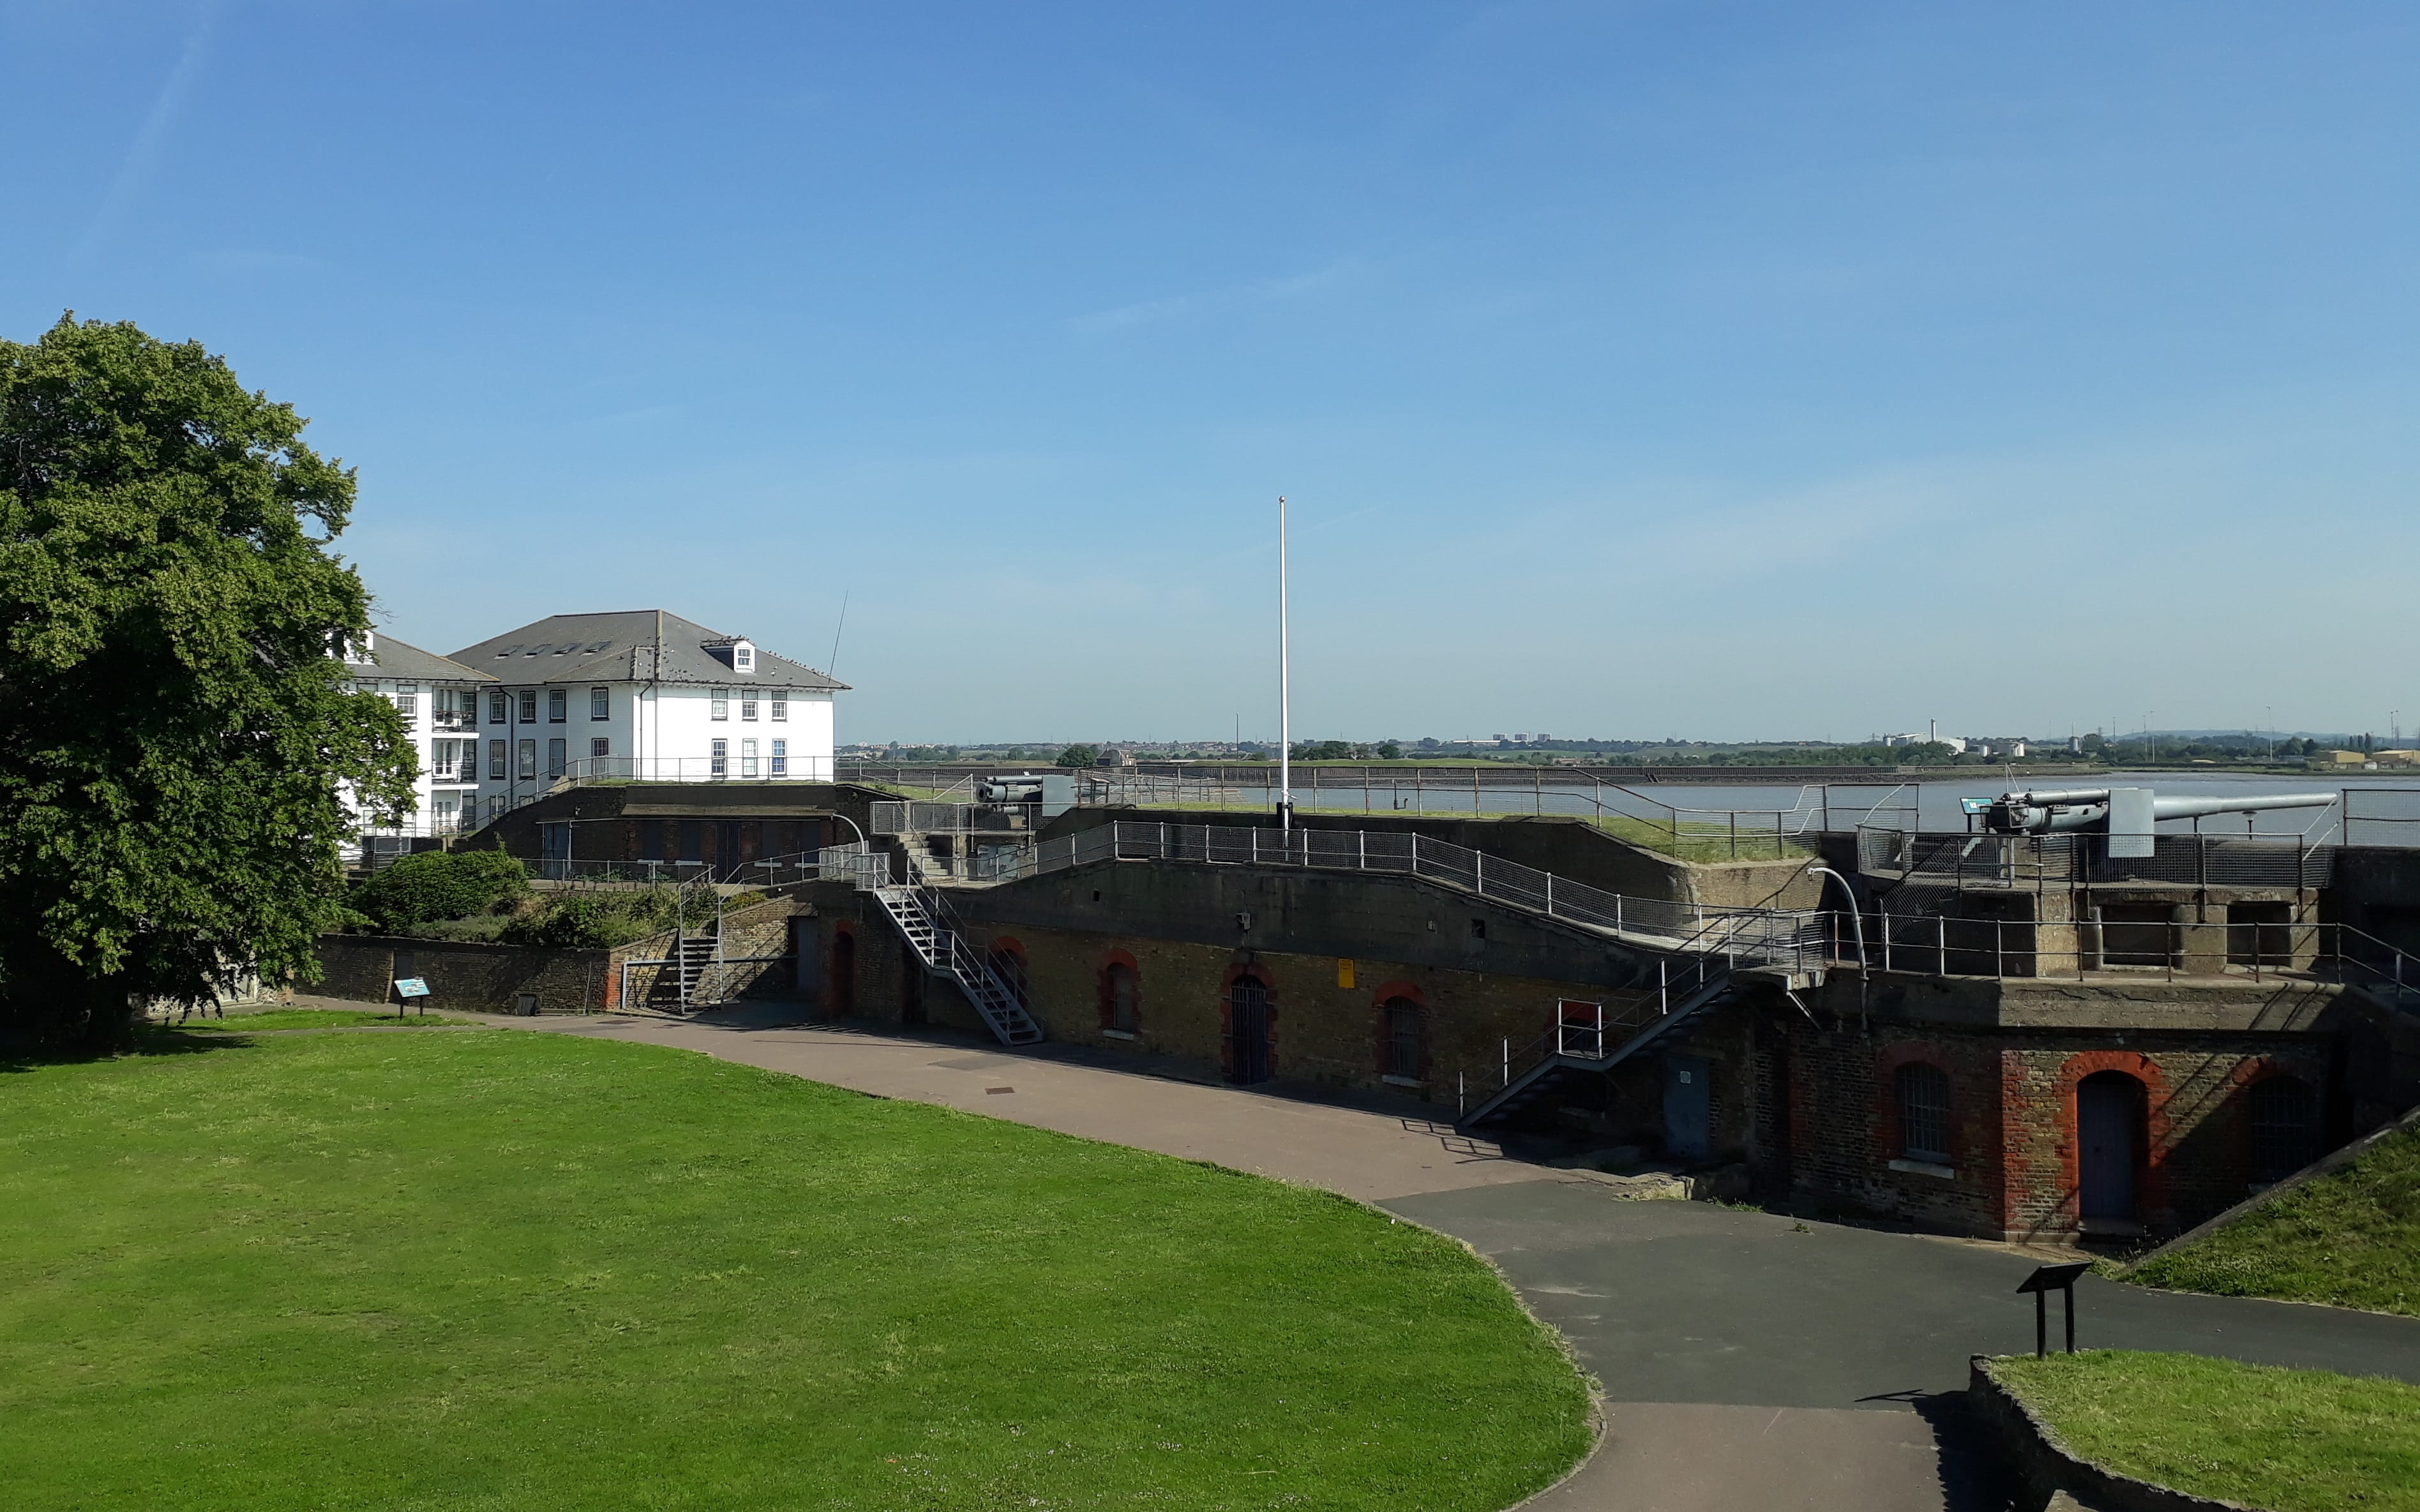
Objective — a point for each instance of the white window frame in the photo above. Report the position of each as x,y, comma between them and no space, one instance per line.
781,760
743,658
528,710
600,703
499,707
781,705
720,708
747,705
719,762
558,705
748,758
525,761
406,699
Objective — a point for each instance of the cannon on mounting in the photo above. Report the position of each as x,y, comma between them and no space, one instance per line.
2126,816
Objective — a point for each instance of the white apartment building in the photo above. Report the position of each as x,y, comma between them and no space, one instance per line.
439,700
641,694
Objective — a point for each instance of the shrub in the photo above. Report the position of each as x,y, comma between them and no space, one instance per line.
434,885
590,920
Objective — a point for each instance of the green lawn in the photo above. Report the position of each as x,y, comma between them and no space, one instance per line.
501,1270
311,1018
2292,1440
2352,1238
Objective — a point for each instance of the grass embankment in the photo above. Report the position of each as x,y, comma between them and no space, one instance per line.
2351,1238
2292,1440
496,1270
310,1018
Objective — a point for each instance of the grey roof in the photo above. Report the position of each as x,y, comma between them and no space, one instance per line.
621,646
389,657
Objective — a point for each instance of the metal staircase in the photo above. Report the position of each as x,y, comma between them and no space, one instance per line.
1592,1046
922,915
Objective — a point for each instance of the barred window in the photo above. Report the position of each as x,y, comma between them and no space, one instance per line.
1403,1039
2285,1127
1924,1113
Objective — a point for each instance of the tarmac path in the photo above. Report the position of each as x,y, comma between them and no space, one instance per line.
1748,1360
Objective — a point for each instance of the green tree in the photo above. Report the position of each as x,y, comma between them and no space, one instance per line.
181,756
1079,755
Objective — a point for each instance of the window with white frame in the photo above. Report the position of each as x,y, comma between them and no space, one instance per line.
529,705
558,704
496,761
721,709
748,758
743,658
781,705
748,705
600,703
781,757
406,699
528,762
719,764
496,706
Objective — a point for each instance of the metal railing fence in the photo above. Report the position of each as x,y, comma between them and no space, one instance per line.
2256,949
1797,939
2037,861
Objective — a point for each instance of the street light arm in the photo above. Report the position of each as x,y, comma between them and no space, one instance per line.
1857,926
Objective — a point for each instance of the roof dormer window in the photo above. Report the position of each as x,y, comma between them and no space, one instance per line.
743,657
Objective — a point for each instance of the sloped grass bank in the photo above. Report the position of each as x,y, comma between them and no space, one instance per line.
2351,1238
2293,1441
494,1270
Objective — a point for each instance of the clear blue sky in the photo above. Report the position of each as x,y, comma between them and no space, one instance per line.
1734,370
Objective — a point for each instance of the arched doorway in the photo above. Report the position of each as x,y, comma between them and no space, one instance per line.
844,973
1248,1031
2109,1107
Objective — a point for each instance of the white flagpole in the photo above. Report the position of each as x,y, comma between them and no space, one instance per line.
1285,688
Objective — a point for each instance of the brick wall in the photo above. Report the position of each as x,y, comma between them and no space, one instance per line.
475,978
2013,1158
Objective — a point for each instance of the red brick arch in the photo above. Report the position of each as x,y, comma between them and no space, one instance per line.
2151,1175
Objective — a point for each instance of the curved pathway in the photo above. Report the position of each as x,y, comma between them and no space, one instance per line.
1748,1360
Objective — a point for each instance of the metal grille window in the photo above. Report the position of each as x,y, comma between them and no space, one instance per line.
528,758
1125,991
496,760
529,705
2285,1127
748,758
600,703
1403,1039
781,757
1924,1113
719,764
558,704
781,705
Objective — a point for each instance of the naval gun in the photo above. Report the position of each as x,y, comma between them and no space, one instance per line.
2126,816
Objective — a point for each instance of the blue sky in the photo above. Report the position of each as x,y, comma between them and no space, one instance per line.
1731,370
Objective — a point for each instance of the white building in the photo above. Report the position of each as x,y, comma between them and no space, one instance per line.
438,699
643,694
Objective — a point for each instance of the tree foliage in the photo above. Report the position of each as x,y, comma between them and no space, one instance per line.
1079,756
434,885
176,745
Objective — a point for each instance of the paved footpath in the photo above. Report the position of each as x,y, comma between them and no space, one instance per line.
1748,1360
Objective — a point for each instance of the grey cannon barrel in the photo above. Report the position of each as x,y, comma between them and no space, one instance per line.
2073,809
